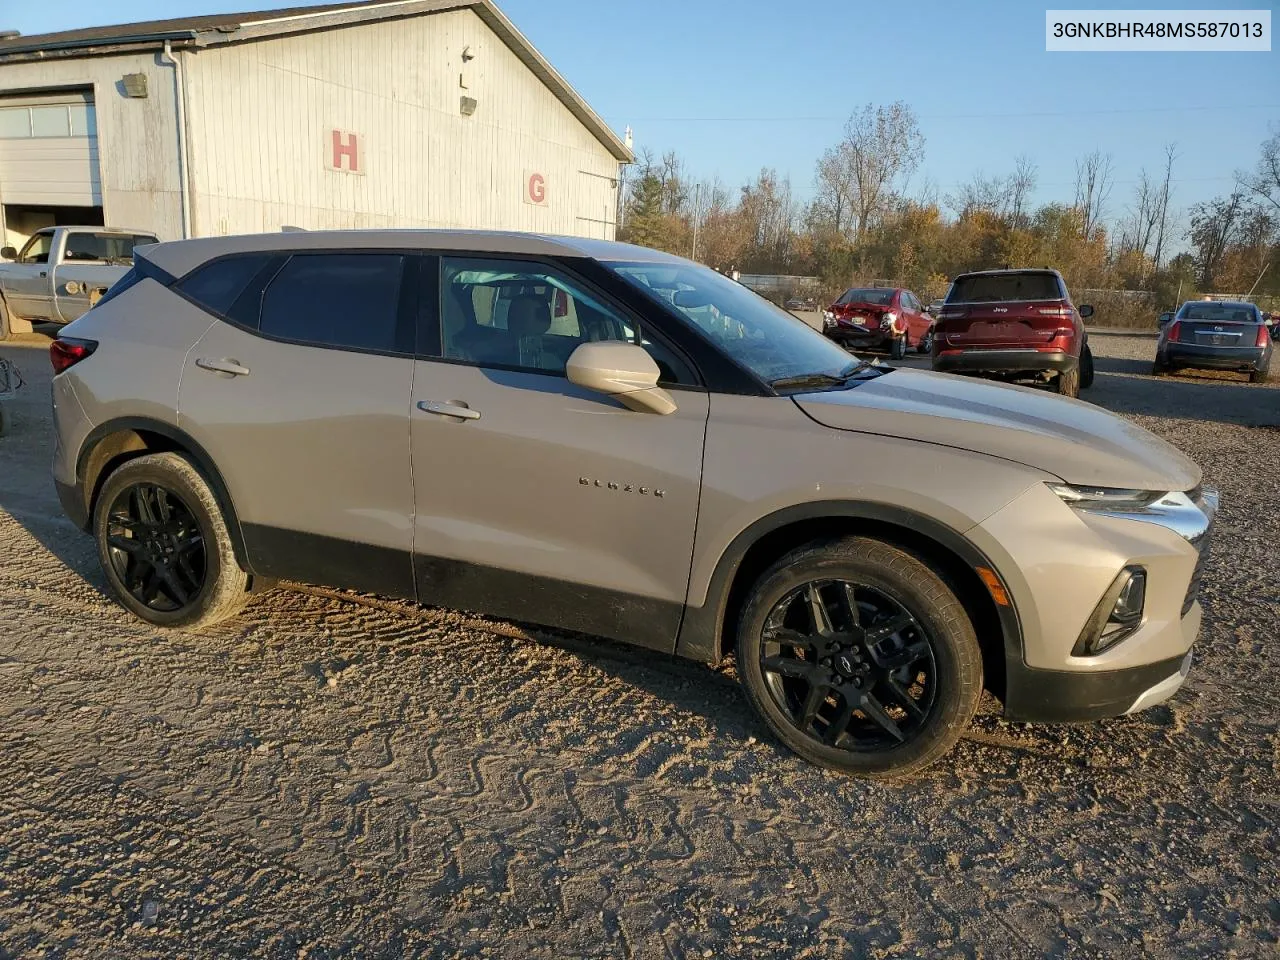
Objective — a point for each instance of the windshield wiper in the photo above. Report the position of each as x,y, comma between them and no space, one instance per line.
821,379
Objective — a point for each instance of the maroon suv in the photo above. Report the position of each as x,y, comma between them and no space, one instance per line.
879,318
1014,325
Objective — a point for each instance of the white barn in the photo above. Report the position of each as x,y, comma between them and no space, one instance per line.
404,113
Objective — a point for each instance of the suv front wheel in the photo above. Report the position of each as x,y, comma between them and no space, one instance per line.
860,658
164,545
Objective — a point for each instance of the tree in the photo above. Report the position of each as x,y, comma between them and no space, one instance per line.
1213,228
1162,203
1094,180
882,146
1022,184
1264,182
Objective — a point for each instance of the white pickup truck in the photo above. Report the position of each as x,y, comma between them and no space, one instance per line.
61,272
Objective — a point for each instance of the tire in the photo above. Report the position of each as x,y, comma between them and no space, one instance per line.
882,681
202,584
1068,382
1158,369
926,342
1259,376
898,348
1086,367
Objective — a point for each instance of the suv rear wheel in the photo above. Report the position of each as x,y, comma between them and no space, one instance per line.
1086,367
1068,382
859,657
898,348
164,545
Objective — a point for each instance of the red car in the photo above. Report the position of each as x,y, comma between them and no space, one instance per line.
1014,325
879,318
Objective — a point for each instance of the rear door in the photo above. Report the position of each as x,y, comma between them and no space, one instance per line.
537,499
1005,311
299,392
90,262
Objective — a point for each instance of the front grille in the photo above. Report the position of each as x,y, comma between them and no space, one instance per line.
1201,543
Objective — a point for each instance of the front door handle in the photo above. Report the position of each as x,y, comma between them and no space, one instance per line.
449,408
232,367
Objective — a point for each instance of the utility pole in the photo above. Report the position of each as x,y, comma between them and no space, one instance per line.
697,206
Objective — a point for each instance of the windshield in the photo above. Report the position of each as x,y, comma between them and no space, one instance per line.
768,341
1004,287
877,295
1222,312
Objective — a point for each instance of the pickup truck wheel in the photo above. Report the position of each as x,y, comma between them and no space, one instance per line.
898,348
1068,382
1086,367
164,545
859,657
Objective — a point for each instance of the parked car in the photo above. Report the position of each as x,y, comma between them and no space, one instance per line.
612,440
797,303
879,318
935,308
1216,335
61,272
1015,325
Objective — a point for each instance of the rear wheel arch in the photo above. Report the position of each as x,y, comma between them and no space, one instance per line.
709,632
115,442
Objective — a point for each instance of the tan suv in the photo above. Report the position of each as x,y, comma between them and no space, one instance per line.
615,441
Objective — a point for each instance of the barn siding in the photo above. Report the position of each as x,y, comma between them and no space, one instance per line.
137,138
260,117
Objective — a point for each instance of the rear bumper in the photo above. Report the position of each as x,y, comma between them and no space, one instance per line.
1016,360
1051,696
857,339
1217,358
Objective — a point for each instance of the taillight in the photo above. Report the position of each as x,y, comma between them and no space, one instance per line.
66,352
1058,311
1175,329
1264,336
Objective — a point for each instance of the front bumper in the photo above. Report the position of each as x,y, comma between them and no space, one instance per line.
1216,358
1013,361
1058,562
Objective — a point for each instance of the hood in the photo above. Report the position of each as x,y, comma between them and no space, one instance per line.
1073,440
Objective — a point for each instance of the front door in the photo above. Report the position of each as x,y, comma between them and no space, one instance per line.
27,288
300,395
536,499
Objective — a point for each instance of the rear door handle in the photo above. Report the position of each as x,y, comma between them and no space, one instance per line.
232,367
448,408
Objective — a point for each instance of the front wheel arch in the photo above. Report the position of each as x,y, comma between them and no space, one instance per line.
708,632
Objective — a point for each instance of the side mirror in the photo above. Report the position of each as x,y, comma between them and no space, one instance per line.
623,371
1085,311
1164,318
9,253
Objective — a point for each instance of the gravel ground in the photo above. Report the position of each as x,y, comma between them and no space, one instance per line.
325,777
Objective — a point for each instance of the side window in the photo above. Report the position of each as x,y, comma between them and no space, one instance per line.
37,248
217,285
529,316
338,300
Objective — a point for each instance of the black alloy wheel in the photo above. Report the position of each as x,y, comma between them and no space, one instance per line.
850,666
156,548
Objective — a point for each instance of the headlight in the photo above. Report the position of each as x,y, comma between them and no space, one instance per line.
1106,499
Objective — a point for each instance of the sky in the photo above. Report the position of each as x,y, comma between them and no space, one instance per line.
737,86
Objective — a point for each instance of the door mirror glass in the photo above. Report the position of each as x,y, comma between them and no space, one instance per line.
1086,311
623,371
9,253
1164,318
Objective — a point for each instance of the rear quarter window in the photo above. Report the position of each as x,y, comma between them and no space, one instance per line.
996,288
216,286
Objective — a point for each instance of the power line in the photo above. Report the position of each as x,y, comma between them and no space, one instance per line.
957,116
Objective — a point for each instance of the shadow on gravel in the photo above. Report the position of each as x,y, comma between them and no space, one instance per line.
1126,386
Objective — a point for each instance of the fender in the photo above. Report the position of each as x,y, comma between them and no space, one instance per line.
180,440
701,628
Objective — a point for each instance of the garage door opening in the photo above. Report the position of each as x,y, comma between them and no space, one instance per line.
48,162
